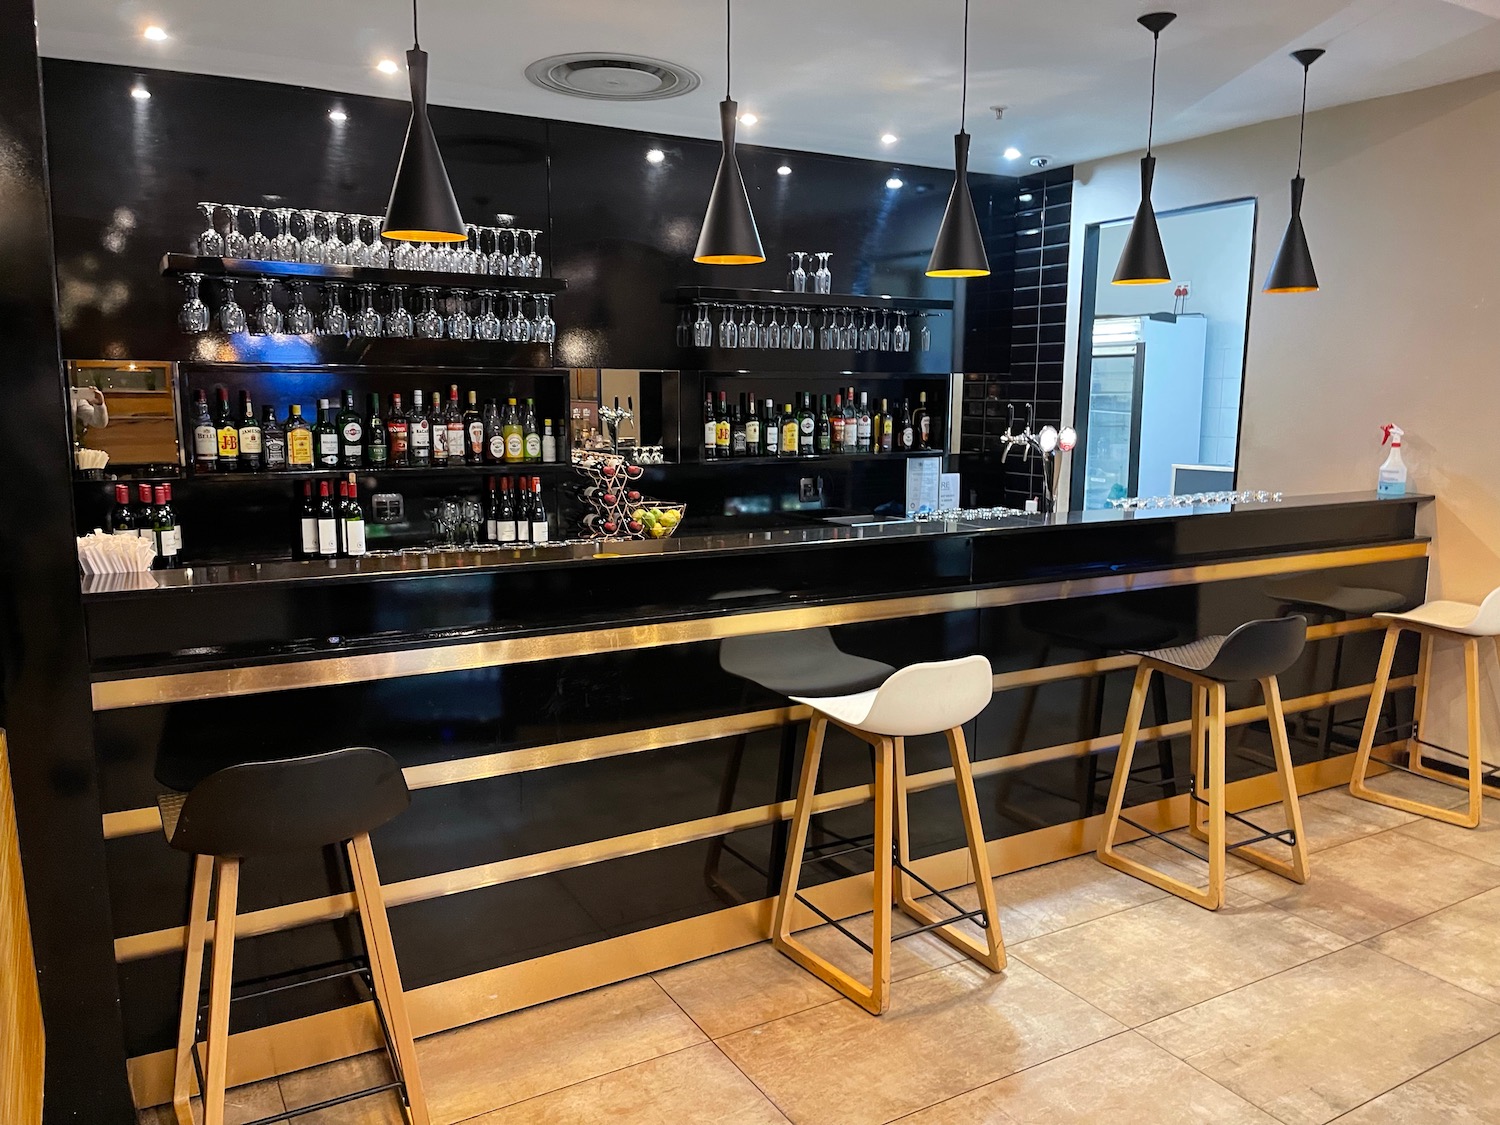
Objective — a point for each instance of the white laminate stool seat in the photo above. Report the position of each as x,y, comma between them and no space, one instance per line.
916,700
1436,620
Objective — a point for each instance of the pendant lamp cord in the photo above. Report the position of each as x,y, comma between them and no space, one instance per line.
416,40
1151,119
963,98
1302,125
728,35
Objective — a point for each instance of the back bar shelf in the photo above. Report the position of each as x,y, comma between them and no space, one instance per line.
180,265
692,294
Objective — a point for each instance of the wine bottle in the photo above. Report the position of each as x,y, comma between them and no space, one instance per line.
397,436
723,432
922,423
121,518
710,428
205,436
807,425
353,519
752,429
825,427
738,435
328,534
439,425
505,518
538,512
227,430
549,443
474,430
453,420
299,439
351,430
905,435
515,439
887,429
835,426
377,444
770,431
326,437
864,425
419,433
523,511
273,439
307,520
531,434
492,512
164,529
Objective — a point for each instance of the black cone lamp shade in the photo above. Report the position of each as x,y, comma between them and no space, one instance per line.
1292,271
729,236
422,206
1143,261
959,250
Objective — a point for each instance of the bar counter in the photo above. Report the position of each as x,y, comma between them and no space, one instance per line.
596,798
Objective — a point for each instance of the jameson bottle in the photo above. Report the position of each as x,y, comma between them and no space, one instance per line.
531,434
419,432
252,448
377,445
273,439
351,434
510,430
453,422
326,437
205,436
474,432
494,434
396,434
710,428
227,431
299,440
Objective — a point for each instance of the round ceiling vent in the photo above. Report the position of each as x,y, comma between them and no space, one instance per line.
625,78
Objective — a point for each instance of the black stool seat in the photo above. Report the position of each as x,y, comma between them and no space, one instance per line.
804,663
290,804
1255,650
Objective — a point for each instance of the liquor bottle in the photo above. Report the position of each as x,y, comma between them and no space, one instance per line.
864,426
515,438
328,534
307,521
549,443
770,431
491,502
377,444
787,424
807,424
145,513
523,511
205,436
299,439
419,433
252,450
164,529
397,435
921,422
273,439
227,429
353,519
538,512
453,420
723,440
906,439
752,429
835,426
851,424
121,518
438,423
474,427
825,427
494,434
505,518
326,437
531,434
710,428
351,429
739,437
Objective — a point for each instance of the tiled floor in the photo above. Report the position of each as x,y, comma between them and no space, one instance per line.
1371,996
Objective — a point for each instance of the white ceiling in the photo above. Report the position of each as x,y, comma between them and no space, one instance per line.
832,75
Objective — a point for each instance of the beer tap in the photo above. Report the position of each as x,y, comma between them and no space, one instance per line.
613,416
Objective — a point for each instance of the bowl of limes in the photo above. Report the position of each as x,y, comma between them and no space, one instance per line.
653,519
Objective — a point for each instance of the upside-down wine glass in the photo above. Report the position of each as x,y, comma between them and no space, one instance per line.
257,246
235,242
380,251
334,321
283,247
429,322
487,325
231,315
398,322
367,321
194,316
266,319
460,323
209,243
299,318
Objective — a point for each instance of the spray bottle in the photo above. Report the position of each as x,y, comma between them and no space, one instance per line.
1393,472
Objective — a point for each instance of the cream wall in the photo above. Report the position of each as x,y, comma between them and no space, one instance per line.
1403,217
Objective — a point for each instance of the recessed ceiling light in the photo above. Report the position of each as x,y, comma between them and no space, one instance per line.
338,115
140,93
1012,153
655,156
387,66
155,34
888,138
748,119
895,182
784,170
1025,198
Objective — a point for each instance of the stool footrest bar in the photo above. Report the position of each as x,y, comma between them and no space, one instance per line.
836,924
327,1103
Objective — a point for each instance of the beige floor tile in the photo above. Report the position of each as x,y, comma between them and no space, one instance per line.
1481,843
1366,887
1459,944
501,1061
946,1032
736,990
915,955
1325,1037
344,1077
242,1103
698,1086
1462,1091
1414,788
1167,955
1124,1080
1332,817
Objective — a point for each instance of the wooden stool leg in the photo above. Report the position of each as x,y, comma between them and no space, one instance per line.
1123,759
991,952
781,927
388,990
1357,786
221,980
901,820
1197,811
1419,710
1217,737
192,988
1294,869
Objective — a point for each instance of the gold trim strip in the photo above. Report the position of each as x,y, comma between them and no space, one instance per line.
425,887
256,679
343,1032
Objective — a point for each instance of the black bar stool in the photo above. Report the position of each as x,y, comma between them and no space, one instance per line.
1257,650
263,808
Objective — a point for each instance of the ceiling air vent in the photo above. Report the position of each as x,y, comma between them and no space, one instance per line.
623,78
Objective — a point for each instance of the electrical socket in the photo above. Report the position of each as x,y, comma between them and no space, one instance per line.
810,489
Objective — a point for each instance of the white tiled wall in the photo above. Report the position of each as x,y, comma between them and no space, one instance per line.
1221,407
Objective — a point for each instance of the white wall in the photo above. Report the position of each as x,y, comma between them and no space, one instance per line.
1403,217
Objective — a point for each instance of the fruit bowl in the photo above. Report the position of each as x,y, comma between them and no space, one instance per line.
652,519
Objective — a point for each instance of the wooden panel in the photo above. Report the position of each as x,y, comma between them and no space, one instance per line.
21,1040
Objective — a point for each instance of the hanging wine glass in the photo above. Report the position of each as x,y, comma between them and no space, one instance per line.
299,318
404,256
469,255
534,257
523,323
517,266
367,321
885,331
193,317
398,322
684,329
312,249
266,319
257,246
823,279
429,322
334,321
487,326
548,325
231,315
209,244
460,323
924,334
235,242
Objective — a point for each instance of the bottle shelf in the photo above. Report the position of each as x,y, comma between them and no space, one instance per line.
179,265
404,472
817,459
689,294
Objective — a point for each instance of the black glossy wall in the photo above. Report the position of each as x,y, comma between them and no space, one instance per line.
128,173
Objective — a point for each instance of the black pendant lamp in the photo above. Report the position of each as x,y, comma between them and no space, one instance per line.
959,249
422,206
729,236
1143,261
1292,271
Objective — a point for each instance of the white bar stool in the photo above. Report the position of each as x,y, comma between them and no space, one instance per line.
1457,621
920,699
